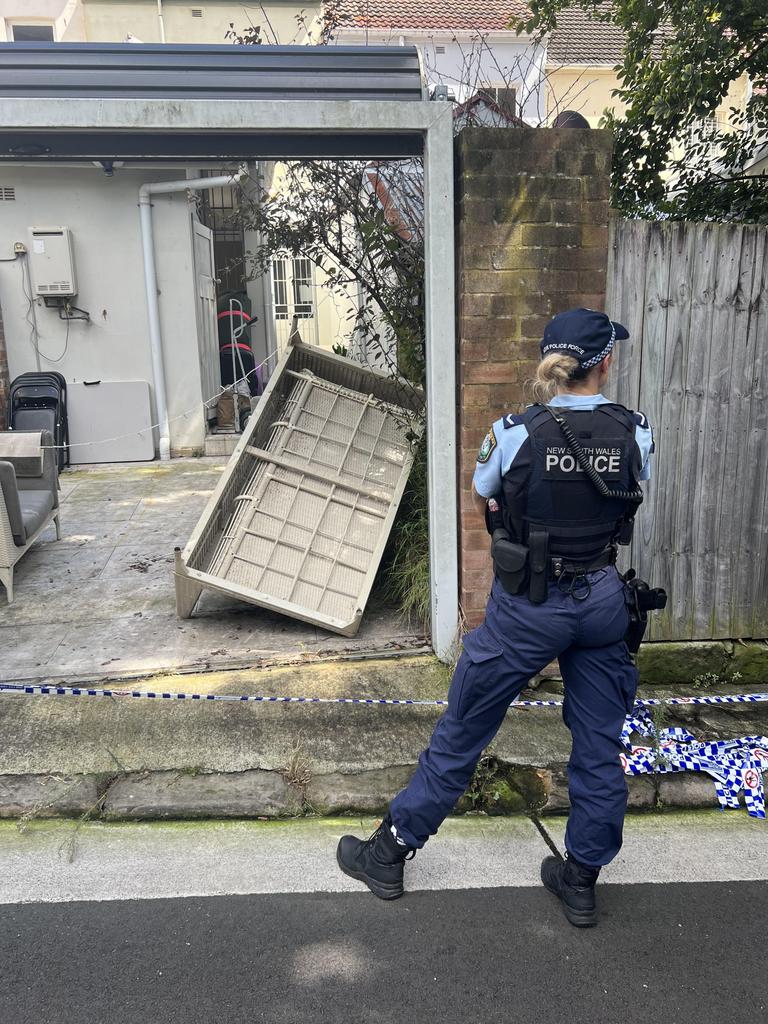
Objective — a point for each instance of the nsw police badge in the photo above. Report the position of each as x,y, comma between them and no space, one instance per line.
487,446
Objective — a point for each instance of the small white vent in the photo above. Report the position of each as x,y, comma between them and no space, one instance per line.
439,49
7,193
197,12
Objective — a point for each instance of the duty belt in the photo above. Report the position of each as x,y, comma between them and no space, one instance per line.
560,567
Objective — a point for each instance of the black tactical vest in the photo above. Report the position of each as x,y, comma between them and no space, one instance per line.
546,487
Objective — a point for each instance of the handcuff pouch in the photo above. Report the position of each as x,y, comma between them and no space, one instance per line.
510,562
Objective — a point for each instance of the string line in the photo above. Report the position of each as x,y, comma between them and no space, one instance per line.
171,419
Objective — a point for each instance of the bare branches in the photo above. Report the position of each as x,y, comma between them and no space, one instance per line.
360,224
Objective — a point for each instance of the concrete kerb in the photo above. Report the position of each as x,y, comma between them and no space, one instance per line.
138,759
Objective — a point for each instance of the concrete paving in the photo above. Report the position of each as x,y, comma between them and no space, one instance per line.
59,861
73,735
100,603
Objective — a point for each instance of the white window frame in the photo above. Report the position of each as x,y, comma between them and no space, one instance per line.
12,24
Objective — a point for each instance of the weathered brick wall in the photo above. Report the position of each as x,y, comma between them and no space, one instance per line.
532,223
5,384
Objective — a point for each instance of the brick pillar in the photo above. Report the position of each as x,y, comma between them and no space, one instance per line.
5,381
532,223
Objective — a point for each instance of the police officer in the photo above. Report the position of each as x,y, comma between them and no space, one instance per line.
558,485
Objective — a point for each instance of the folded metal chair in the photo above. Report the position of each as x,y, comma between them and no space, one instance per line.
38,401
29,496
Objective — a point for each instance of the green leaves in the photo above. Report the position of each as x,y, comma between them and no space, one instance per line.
683,147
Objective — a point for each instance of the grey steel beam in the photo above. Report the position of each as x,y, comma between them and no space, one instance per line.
441,378
51,145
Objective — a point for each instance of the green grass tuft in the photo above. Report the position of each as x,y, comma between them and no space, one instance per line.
406,563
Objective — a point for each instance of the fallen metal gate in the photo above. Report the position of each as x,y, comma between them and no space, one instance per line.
300,518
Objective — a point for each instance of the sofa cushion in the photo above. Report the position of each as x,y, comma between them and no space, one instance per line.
24,451
10,492
35,506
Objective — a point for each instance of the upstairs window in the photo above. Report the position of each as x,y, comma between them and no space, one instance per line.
504,98
32,33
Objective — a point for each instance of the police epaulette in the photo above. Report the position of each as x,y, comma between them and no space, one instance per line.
513,420
641,420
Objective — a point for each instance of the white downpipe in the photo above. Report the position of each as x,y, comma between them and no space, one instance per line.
161,20
150,280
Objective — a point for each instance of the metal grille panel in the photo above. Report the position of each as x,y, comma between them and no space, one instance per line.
320,471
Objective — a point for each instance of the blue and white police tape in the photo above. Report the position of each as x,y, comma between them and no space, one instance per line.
63,690
735,765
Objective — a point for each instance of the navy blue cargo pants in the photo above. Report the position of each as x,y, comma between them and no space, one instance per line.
516,640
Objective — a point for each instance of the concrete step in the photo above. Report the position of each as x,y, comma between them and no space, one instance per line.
221,443
121,757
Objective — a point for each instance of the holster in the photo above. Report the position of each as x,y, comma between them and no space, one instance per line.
626,529
638,623
641,599
538,561
510,562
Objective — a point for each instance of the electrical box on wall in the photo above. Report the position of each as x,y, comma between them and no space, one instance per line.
52,262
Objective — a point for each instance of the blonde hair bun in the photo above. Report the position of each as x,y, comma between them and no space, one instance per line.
553,372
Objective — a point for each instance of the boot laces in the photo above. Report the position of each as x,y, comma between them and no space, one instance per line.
382,834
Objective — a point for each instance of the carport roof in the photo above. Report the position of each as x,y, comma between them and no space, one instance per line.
172,71
227,74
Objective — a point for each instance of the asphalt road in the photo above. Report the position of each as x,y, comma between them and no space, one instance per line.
675,953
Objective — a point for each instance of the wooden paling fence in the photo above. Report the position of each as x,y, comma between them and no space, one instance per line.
693,297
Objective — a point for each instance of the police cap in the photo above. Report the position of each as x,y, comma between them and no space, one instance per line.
586,334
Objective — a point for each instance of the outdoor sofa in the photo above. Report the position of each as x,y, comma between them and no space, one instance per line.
29,496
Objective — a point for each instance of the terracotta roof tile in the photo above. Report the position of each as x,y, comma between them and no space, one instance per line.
485,16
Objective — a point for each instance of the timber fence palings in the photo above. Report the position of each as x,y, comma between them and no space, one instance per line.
691,295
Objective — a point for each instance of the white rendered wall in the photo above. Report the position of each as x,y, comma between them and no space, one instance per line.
112,20
471,61
103,216
65,16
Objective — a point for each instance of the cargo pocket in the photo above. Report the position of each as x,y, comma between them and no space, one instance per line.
476,672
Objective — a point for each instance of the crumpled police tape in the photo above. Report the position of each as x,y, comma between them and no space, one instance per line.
735,765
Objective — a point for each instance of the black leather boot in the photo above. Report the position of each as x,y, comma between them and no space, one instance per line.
574,884
377,861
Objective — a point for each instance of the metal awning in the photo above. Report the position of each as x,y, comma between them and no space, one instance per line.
173,71
266,73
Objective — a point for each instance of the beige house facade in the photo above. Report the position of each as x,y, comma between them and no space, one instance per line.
582,55
154,21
